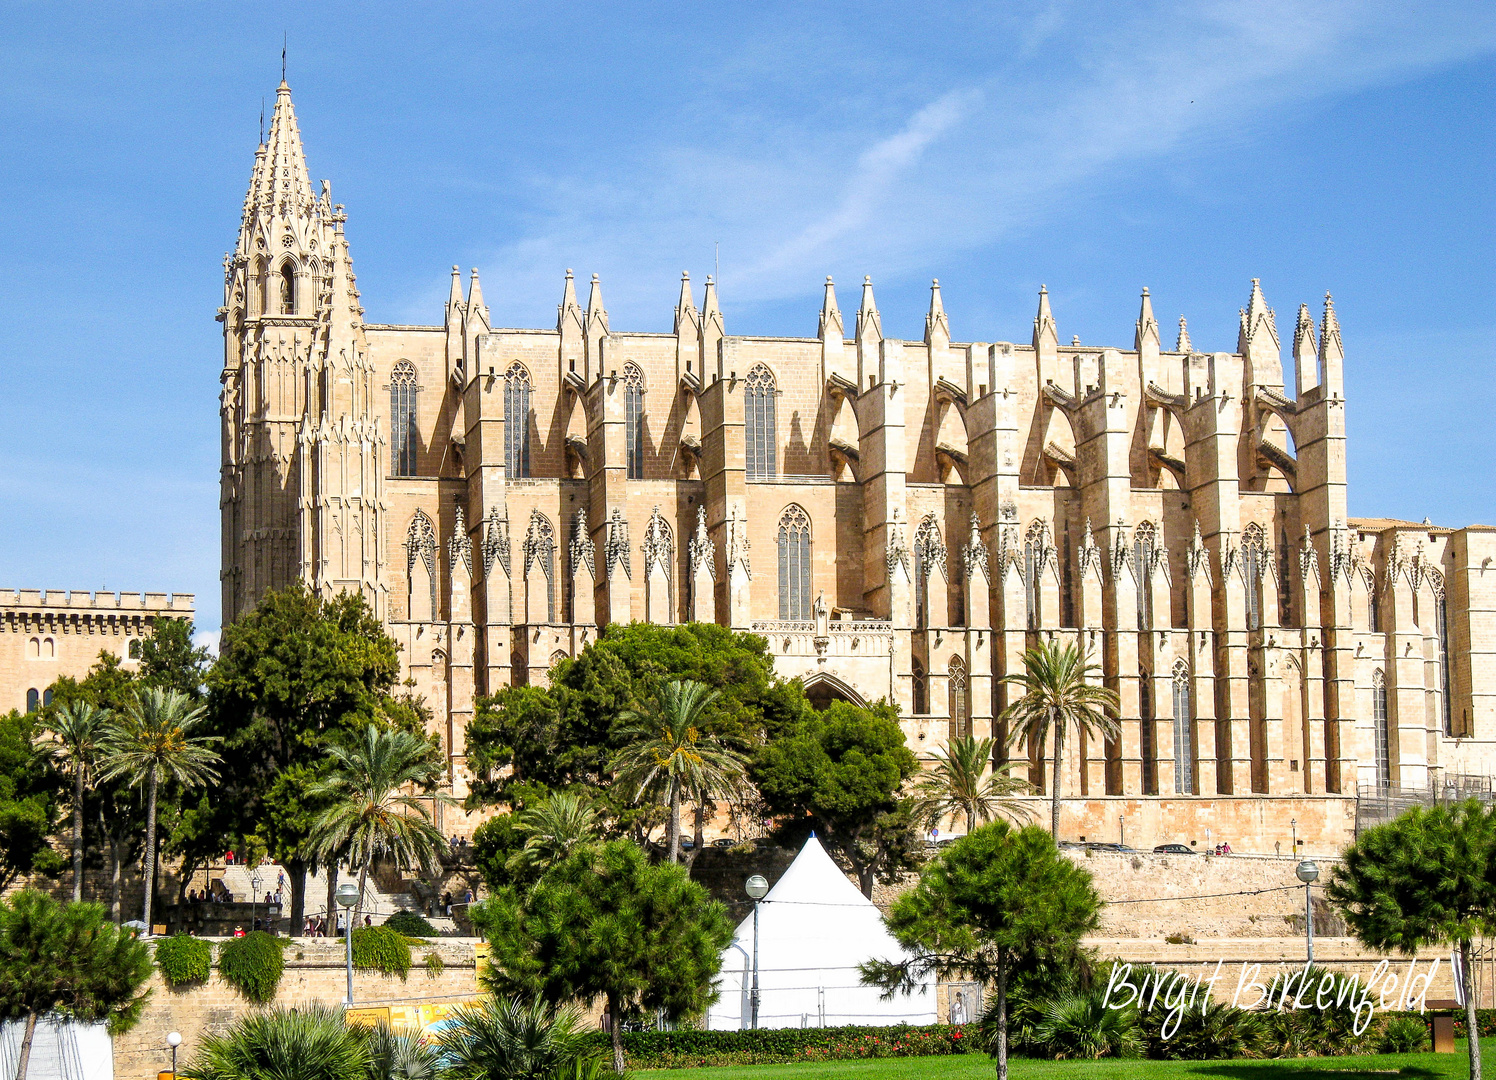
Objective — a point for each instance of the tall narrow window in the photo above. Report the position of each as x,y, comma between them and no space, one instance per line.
287,288
635,421
33,700
1184,741
1142,569
1252,552
960,726
403,426
794,565
1146,732
517,420
1381,729
1285,581
1441,627
1373,608
1033,567
758,417
918,689
929,553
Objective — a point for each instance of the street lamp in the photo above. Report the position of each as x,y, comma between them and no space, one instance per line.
757,888
1308,872
1121,835
1293,825
347,896
174,1040
254,898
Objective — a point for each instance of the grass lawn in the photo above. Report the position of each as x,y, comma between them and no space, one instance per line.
1454,1066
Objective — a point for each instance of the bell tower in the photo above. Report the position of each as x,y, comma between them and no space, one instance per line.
301,477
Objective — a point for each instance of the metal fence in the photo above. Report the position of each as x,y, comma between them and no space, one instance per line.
1377,804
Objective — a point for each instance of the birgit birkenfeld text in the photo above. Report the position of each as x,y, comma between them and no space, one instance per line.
1295,988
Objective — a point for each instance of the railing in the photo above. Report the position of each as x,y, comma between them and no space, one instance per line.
781,626
1380,803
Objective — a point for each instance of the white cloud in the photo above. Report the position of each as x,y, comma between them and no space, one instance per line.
875,189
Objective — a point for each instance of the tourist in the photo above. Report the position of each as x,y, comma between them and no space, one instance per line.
447,903
228,857
1226,848
368,922
238,931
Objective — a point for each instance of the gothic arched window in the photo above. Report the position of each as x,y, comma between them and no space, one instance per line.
758,418
517,420
956,695
1381,729
794,565
1142,571
919,689
1441,628
33,700
929,554
1184,732
1146,732
287,288
1033,566
403,424
1253,554
540,551
633,419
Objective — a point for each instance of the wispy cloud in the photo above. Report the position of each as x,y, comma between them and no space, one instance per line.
1071,101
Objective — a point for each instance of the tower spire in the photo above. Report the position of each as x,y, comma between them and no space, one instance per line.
831,316
1182,344
937,326
1147,327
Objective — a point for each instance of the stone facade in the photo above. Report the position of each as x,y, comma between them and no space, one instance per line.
46,635
900,519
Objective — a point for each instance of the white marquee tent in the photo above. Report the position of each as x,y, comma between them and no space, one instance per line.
815,928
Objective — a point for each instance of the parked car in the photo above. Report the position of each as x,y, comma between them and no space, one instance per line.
724,842
1173,849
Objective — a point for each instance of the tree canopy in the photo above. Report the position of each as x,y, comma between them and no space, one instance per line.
606,923
991,898
839,772
54,956
31,795
1427,876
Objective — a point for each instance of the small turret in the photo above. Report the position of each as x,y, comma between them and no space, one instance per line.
475,324
937,326
1331,352
869,325
686,318
831,317
456,318
712,330
1146,339
1257,342
1182,343
595,328
1045,333
1305,359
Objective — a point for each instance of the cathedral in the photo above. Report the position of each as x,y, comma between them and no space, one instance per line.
899,519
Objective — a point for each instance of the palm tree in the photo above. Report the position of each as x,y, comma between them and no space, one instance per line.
519,1040
955,786
78,734
310,1042
151,740
669,755
554,827
1058,692
374,812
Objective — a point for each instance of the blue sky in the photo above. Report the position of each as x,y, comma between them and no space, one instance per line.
1098,148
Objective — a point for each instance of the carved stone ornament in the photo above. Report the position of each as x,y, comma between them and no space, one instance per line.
1199,557
658,543
583,550
460,547
929,549
1119,549
737,542
974,554
701,550
616,552
496,542
1308,556
1089,555
420,543
540,543
897,553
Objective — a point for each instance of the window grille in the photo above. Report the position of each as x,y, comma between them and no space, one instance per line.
403,422
794,565
633,419
517,420
759,398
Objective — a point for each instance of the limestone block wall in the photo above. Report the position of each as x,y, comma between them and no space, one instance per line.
1322,824
314,972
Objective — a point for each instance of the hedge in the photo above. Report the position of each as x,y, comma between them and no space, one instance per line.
410,924
379,948
183,959
252,964
690,1048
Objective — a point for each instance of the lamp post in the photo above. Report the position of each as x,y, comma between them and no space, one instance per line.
1121,835
347,896
757,888
254,898
1293,825
174,1040
1308,872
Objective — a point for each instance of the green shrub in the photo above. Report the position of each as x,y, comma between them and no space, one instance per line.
1080,1026
435,965
690,1048
183,959
378,948
410,924
1404,1035
1216,1031
253,964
